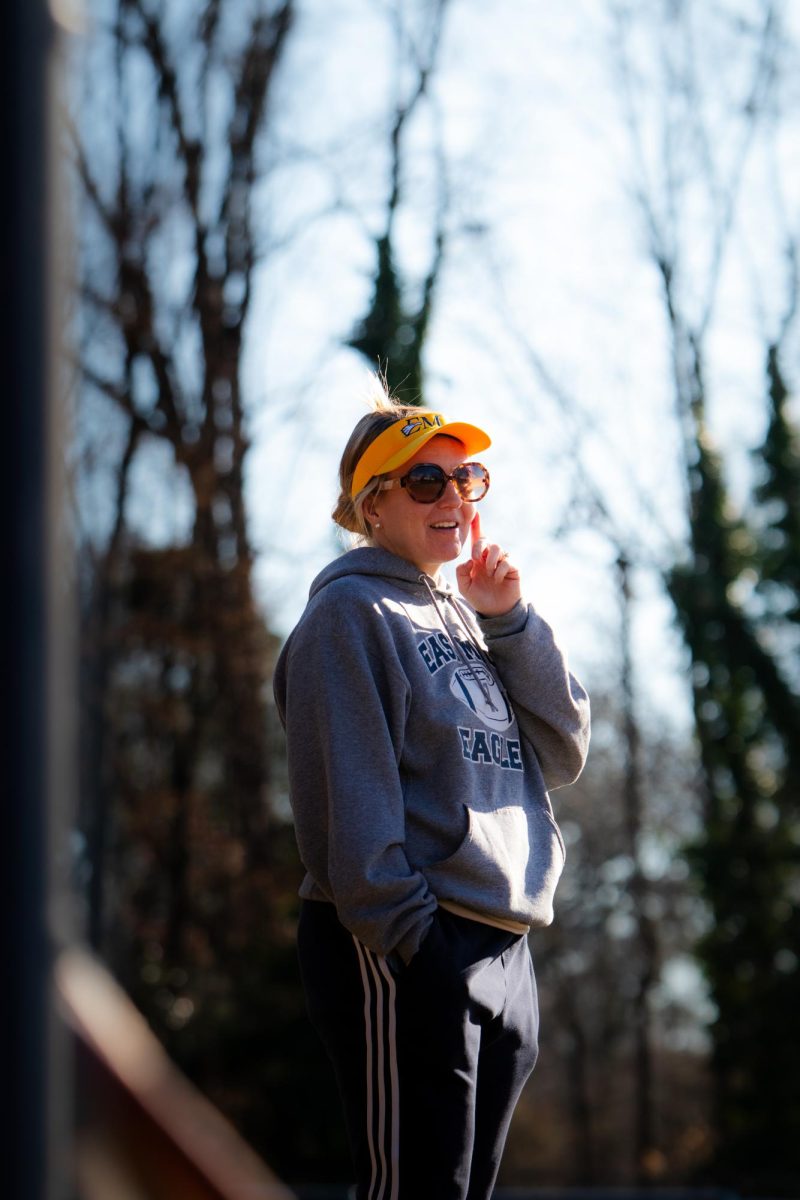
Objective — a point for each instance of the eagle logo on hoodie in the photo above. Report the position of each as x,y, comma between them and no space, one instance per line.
474,685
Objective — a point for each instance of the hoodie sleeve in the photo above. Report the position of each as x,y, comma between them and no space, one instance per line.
343,698
551,706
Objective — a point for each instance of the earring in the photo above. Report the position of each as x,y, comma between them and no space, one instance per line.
377,524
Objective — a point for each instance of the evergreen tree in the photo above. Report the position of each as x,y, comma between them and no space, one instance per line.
391,334
747,858
778,497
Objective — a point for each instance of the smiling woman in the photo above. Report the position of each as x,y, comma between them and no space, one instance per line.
427,533
424,732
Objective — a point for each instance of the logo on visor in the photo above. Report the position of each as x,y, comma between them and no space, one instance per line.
418,424
475,686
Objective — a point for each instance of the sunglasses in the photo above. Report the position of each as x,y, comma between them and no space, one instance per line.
425,482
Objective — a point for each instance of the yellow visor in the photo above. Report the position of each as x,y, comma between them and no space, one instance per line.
401,441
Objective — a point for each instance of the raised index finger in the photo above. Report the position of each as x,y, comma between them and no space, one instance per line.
477,536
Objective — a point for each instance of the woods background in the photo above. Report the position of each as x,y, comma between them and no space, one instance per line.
581,230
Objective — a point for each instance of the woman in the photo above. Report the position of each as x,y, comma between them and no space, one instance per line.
424,733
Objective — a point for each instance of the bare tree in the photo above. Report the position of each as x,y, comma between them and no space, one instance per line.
167,258
192,875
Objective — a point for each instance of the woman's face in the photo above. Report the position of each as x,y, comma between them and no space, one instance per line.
424,534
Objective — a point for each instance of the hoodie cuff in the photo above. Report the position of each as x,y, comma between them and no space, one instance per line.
514,621
410,944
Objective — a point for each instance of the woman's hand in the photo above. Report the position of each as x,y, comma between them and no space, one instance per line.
488,580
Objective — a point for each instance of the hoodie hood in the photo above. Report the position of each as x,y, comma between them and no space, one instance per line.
372,560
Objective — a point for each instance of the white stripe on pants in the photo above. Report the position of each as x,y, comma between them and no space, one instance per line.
383,1100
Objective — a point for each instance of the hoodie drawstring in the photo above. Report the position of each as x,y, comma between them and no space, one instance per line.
477,676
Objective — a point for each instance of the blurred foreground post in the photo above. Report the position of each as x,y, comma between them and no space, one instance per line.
143,1132
26,41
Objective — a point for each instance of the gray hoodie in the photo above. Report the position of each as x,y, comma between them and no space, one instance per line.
422,741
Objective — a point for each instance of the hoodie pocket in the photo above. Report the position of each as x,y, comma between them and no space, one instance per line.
508,864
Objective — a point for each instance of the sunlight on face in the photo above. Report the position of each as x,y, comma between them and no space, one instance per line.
424,534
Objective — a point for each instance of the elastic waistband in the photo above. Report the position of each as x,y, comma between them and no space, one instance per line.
497,922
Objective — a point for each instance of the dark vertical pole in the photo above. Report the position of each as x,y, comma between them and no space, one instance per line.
25,34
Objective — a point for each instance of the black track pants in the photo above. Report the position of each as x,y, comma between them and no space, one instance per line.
430,1060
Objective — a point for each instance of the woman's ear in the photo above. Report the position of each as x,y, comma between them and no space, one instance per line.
371,515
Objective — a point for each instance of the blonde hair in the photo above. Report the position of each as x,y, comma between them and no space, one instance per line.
385,410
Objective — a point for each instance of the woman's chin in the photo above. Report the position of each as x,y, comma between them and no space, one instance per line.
448,547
